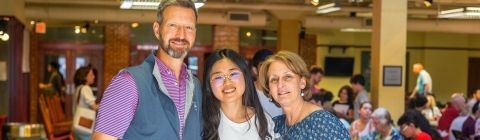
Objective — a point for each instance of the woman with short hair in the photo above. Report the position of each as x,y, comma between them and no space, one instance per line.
284,79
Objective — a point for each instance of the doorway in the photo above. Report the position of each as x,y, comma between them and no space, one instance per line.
71,56
473,74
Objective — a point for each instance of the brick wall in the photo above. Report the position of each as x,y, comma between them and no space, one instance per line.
308,49
34,79
226,37
117,51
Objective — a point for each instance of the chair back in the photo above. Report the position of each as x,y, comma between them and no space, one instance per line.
45,114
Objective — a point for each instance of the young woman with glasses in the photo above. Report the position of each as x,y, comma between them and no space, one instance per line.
231,108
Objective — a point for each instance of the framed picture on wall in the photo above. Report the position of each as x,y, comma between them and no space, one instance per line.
392,76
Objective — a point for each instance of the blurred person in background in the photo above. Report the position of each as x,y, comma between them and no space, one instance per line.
83,96
316,100
468,127
384,129
358,82
258,59
361,128
346,101
56,84
458,102
409,126
457,123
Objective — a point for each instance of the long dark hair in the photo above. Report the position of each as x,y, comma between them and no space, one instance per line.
211,105
349,93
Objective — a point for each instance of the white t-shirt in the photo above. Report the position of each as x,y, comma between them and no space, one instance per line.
268,106
457,124
241,131
86,97
432,115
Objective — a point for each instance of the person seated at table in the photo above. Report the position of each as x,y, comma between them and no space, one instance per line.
408,124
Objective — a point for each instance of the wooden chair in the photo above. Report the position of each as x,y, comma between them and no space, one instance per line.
56,130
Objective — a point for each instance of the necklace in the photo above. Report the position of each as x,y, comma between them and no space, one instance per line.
287,130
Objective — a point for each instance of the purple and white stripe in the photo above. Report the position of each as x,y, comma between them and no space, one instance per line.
176,91
120,100
118,106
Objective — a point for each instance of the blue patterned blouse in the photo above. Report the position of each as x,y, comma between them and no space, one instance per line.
319,125
375,135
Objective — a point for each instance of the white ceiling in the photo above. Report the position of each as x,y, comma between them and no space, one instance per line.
66,12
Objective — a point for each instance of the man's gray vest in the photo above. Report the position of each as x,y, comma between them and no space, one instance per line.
156,116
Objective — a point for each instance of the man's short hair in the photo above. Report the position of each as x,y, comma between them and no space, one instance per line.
357,79
408,117
316,70
182,3
260,56
55,65
420,101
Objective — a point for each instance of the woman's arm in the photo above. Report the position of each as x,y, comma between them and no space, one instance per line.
353,133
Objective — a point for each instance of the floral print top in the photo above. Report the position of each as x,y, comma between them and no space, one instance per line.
394,135
319,125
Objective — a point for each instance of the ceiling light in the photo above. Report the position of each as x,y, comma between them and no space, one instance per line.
150,4
5,37
428,3
356,30
77,29
134,25
32,22
314,2
461,13
327,8
249,34
83,30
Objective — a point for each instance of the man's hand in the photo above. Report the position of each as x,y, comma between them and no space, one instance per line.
411,96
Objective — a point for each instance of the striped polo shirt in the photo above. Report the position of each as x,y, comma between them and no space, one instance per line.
120,100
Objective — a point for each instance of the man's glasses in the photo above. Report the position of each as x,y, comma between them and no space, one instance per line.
405,128
220,79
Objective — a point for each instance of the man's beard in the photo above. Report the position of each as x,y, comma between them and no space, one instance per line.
175,53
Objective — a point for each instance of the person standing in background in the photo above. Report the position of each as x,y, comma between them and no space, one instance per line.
316,75
267,104
358,83
83,96
424,82
55,83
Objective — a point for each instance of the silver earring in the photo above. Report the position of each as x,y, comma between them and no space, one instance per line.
270,99
302,94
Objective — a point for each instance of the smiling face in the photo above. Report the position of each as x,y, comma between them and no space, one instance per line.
176,33
285,86
227,81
